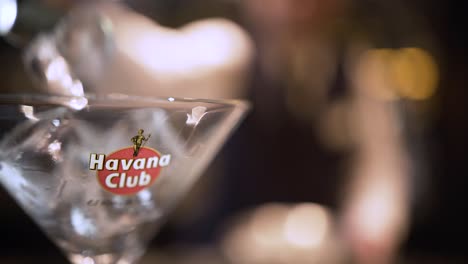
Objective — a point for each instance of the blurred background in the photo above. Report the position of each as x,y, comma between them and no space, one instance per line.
353,151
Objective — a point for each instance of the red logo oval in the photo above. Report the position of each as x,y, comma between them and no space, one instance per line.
122,173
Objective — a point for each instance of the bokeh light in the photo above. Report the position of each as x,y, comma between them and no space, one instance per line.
306,226
391,74
8,13
281,233
372,74
415,73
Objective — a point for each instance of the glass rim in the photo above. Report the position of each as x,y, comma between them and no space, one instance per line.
43,98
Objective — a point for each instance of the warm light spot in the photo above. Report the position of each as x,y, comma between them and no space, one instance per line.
387,74
306,226
415,73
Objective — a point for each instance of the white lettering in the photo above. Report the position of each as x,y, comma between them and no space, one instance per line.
125,181
96,161
139,164
152,162
144,179
132,181
126,166
165,160
112,164
109,180
122,179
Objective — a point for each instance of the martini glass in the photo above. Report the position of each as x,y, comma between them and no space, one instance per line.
99,174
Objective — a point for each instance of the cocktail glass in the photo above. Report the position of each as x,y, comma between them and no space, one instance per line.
99,174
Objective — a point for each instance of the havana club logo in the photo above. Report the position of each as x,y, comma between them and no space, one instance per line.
129,170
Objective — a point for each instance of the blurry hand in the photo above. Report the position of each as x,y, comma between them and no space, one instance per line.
204,59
